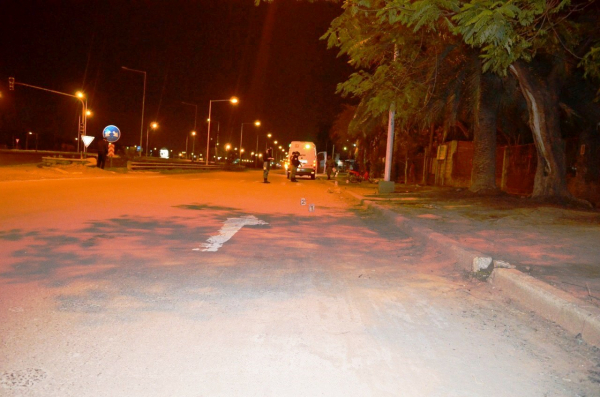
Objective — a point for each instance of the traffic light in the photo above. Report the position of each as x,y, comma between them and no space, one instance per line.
11,83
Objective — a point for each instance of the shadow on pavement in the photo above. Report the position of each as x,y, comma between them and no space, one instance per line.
146,264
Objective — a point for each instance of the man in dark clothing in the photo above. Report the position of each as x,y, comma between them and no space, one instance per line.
294,163
102,151
267,157
330,165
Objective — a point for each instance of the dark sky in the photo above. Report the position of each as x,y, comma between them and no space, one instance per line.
193,51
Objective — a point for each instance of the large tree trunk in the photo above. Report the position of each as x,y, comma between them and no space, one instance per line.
542,99
483,176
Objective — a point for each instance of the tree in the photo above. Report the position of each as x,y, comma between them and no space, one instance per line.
534,40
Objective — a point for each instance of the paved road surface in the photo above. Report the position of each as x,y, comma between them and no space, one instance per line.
107,289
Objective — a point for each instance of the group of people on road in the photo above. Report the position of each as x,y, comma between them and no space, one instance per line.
294,164
268,157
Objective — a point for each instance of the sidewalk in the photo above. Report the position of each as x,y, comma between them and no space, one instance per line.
556,251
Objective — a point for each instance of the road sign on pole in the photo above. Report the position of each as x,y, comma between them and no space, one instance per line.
111,133
87,139
111,150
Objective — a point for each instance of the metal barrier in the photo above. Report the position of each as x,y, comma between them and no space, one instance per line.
160,165
68,161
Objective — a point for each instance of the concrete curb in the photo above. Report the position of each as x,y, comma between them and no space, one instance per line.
546,301
551,303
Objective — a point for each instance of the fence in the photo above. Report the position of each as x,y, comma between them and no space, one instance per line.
515,166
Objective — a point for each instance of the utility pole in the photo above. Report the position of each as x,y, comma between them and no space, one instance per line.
387,186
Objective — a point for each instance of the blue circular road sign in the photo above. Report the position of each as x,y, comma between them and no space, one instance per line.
111,133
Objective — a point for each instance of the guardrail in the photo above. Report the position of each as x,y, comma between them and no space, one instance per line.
67,161
160,165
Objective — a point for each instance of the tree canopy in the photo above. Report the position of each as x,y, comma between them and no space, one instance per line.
417,56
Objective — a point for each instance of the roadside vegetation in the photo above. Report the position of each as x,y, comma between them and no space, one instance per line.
494,72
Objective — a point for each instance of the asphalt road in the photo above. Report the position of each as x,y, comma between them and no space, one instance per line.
215,284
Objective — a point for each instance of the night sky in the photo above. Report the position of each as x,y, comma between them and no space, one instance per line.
269,56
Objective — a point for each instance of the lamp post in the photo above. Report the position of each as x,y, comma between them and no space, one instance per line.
143,103
83,120
195,120
193,143
256,123
85,112
79,96
27,140
269,135
233,100
154,126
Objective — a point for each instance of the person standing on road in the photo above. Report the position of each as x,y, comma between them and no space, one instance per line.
267,157
294,163
330,165
102,151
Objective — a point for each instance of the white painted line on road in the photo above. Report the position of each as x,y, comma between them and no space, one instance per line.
231,227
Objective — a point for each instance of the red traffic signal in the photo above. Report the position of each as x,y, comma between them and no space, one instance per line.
11,83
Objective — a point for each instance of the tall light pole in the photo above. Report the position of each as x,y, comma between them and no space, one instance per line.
193,143
195,120
154,126
143,103
233,100
79,96
27,140
83,120
256,123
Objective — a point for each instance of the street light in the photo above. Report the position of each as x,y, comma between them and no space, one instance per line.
269,135
154,126
143,102
36,139
84,113
79,96
256,123
195,119
234,101
193,143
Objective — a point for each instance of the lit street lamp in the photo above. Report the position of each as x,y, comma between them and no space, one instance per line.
36,139
154,126
143,102
83,119
193,143
233,100
79,96
256,123
269,135
195,120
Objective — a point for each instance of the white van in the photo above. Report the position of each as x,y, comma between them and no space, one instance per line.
308,159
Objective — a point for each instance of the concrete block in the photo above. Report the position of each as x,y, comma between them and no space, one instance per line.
503,265
481,263
386,187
